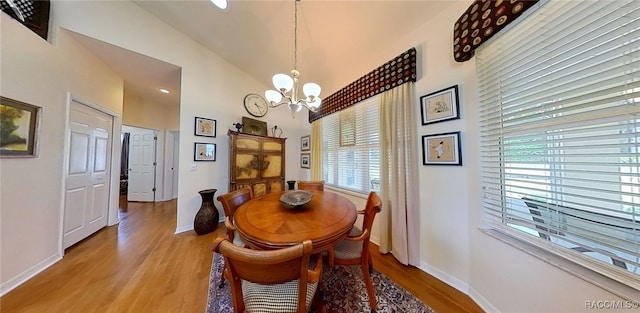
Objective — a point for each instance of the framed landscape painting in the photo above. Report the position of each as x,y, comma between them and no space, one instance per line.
18,128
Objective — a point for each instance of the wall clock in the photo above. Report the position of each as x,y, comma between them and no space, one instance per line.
256,105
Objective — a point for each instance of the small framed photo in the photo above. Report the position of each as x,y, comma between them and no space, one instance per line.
205,127
305,143
204,151
440,106
441,149
305,160
19,135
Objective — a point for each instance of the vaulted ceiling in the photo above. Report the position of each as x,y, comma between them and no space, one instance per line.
258,36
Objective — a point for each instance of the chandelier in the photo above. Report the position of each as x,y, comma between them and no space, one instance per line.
287,86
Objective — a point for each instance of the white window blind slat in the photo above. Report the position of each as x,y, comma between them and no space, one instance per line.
351,147
560,133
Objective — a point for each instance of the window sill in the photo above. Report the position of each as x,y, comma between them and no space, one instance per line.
609,284
347,192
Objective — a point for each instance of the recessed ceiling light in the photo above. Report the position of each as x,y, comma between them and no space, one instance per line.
222,4
164,90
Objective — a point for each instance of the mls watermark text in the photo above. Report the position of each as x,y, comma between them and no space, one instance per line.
611,304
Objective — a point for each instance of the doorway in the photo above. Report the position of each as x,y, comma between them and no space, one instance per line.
87,172
139,174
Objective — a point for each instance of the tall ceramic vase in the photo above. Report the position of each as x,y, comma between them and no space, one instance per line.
206,219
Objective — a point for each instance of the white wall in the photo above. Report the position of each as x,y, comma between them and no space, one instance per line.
41,73
211,88
33,71
138,112
498,276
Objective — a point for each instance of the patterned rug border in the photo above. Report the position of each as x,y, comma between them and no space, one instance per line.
344,292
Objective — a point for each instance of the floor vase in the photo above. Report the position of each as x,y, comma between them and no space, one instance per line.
206,219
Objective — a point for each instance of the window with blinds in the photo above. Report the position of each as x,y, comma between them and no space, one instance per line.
351,147
560,133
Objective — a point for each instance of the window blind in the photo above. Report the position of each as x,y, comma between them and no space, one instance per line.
351,147
560,132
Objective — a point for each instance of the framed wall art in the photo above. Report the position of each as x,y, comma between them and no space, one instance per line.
205,127
305,143
253,126
19,123
440,106
441,149
305,160
204,151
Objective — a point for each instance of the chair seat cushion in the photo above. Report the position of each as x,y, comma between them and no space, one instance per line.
347,249
237,240
278,298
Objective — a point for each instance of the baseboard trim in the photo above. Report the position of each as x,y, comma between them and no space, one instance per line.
446,278
28,274
482,301
183,229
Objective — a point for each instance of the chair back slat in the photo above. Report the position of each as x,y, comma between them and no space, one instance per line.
311,185
266,267
232,200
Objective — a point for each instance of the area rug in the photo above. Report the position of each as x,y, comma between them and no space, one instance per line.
344,291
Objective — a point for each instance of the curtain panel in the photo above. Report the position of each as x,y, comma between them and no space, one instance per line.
399,219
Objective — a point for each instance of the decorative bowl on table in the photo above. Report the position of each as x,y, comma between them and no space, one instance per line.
296,197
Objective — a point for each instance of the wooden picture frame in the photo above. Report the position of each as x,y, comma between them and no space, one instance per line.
442,105
205,127
204,151
253,126
305,143
18,128
442,149
347,128
305,160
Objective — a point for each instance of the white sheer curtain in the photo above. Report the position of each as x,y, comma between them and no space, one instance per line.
316,150
399,220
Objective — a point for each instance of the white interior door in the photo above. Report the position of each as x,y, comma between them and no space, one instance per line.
87,178
176,161
142,164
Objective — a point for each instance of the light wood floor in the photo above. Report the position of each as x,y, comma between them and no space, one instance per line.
140,265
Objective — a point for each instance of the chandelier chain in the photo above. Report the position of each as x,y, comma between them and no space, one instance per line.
286,91
295,36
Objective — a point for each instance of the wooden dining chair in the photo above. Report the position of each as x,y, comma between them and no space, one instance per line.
230,202
277,281
354,249
311,185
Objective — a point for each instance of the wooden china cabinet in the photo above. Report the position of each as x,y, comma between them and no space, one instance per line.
256,161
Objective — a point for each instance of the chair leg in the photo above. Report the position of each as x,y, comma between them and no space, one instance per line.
332,257
318,301
369,284
221,284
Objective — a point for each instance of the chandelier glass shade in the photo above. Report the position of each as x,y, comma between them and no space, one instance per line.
287,88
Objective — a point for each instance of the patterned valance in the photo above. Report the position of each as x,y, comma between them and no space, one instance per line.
481,21
31,13
400,70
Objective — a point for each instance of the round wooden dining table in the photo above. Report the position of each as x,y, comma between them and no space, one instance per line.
267,223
